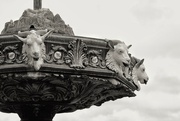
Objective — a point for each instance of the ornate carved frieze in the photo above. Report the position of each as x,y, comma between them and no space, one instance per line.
74,75
76,54
68,92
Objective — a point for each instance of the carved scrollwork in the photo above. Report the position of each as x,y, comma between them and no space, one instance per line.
76,56
95,59
95,91
10,54
19,88
2,57
56,54
73,92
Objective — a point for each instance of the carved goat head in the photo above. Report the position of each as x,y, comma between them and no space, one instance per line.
33,47
120,53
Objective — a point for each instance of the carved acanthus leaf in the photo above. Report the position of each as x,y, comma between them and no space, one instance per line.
76,56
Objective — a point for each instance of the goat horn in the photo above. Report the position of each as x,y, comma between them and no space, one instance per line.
20,38
129,46
47,34
26,33
139,63
41,32
111,44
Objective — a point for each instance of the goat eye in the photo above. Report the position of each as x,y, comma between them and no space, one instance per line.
120,51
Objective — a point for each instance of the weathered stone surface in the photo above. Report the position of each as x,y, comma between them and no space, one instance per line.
40,19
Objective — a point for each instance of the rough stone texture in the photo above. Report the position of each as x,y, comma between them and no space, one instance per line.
40,19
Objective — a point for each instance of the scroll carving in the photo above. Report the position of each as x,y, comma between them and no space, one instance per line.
56,54
95,59
73,92
10,54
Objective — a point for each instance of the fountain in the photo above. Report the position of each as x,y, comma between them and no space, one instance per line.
45,69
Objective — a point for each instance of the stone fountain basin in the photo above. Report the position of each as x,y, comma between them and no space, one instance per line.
61,84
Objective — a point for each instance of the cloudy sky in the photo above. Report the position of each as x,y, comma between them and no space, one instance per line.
151,26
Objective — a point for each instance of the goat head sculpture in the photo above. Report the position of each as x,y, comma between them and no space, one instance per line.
33,46
139,74
117,58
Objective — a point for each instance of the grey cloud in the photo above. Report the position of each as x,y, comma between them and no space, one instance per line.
146,10
166,84
148,111
8,117
165,43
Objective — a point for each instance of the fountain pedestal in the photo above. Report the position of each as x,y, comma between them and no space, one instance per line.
36,112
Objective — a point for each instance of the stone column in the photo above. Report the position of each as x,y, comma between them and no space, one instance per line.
35,112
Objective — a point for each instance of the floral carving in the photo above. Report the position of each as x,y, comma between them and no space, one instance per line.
2,57
95,59
56,54
16,87
10,54
76,56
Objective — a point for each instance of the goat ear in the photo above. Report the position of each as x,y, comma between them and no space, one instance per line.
47,34
20,38
129,46
111,44
139,63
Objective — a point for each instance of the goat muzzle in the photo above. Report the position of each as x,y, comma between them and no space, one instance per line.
36,58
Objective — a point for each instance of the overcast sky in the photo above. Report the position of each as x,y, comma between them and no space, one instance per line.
151,26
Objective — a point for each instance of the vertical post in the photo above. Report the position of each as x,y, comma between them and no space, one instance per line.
36,112
37,4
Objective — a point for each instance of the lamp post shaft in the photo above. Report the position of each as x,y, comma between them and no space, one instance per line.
37,4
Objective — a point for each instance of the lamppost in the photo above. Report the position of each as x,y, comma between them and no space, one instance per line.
45,69
37,4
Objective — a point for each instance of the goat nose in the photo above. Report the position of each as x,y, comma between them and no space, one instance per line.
36,54
128,60
147,78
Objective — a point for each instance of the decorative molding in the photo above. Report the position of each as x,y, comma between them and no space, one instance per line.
76,55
